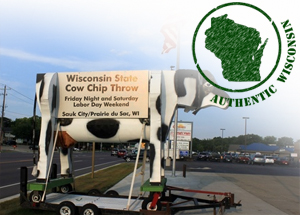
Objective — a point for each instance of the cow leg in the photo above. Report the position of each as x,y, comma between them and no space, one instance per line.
46,96
66,162
155,128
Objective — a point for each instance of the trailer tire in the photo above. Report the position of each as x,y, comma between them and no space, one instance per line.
36,196
65,188
112,193
147,203
66,208
89,209
94,192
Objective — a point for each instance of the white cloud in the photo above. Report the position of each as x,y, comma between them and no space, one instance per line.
71,64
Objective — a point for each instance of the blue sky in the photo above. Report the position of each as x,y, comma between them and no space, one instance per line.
59,36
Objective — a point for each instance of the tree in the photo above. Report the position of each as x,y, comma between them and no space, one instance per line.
22,128
285,141
270,140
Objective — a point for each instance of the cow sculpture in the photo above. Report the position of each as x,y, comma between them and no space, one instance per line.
168,90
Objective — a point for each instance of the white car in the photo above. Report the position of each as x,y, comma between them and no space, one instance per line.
269,160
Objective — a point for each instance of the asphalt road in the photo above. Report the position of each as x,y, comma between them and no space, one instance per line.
10,163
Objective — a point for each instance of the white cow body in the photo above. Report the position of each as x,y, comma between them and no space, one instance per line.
167,91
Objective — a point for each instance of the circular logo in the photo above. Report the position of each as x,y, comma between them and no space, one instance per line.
240,44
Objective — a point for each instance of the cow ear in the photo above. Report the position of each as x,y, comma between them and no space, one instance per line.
214,100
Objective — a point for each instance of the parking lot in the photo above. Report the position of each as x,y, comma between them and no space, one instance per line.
278,185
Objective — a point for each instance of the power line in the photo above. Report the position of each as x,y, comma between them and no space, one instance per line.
19,98
10,88
18,113
22,94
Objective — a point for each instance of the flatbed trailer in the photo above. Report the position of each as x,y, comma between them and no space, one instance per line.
158,203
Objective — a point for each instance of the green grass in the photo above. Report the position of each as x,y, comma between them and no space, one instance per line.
103,180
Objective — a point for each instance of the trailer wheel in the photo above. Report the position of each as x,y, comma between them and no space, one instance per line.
66,208
89,209
128,159
65,188
94,192
112,193
146,205
36,196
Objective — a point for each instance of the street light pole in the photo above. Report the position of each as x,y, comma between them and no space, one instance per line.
222,129
245,118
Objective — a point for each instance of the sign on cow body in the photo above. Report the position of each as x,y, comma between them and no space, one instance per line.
114,94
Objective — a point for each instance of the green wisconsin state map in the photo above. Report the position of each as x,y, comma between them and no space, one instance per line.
236,46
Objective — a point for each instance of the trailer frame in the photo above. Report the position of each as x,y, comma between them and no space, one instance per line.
168,204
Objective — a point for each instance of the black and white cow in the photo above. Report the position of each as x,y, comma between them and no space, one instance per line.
168,90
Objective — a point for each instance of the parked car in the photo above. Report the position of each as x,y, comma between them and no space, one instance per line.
283,161
242,159
215,157
132,156
114,152
227,158
11,143
257,159
203,156
121,153
269,160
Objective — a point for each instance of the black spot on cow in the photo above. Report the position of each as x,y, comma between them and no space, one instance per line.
158,133
158,105
180,76
54,93
39,77
103,128
152,156
65,121
41,89
164,132
64,151
48,137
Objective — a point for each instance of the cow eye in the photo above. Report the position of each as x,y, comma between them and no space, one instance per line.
208,84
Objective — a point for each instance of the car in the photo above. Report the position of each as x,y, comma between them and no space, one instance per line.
282,161
227,158
257,159
11,143
242,158
114,152
121,153
33,147
215,157
132,156
269,160
203,156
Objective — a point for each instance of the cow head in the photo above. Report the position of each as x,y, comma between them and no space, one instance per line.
194,92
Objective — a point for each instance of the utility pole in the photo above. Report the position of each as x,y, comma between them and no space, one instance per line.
245,118
2,115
